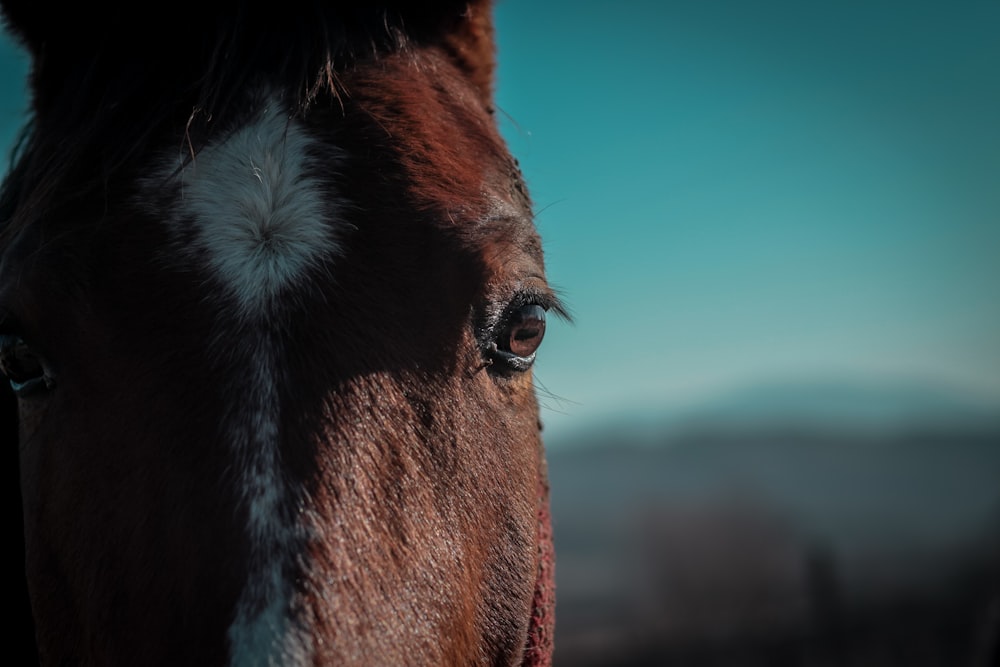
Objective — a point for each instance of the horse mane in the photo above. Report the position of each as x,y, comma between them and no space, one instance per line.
195,69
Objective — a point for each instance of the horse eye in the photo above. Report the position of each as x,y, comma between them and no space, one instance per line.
22,366
520,336
524,331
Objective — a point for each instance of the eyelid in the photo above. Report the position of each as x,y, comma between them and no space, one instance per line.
531,291
542,295
497,320
10,325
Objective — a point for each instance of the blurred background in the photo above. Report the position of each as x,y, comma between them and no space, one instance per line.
774,429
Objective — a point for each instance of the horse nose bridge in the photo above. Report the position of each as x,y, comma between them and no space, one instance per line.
268,496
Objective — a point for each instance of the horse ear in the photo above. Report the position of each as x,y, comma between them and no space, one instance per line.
463,27
471,43
22,20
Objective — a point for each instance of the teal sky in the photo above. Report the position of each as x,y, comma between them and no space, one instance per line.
734,193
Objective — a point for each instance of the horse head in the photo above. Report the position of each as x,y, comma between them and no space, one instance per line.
270,295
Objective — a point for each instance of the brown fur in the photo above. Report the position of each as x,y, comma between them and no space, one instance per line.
417,467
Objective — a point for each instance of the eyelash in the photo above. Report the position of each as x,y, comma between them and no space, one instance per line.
511,337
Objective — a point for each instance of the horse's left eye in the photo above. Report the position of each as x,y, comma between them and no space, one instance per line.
22,366
524,332
520,337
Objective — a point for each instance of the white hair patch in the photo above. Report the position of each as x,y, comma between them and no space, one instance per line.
259,211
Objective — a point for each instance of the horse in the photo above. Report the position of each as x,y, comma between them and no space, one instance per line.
270,297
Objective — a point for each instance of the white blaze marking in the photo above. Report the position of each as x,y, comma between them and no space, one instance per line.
262,634
261,221
260,213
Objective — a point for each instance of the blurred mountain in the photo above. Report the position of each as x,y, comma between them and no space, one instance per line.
740,516
848,406
830,405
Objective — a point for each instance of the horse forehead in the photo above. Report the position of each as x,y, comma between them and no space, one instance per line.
257,206
265,204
